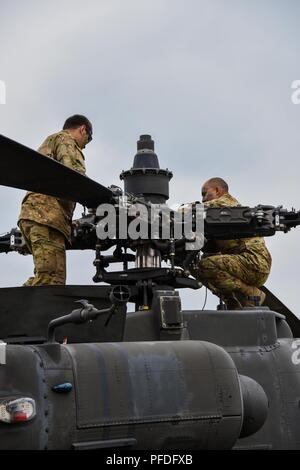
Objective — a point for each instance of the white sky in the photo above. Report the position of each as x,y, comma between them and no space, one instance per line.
210,80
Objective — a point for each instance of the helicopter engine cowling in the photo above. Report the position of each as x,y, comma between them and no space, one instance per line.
141,395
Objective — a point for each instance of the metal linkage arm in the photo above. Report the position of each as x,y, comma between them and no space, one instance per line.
240,222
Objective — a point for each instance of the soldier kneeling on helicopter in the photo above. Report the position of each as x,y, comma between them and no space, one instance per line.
232,269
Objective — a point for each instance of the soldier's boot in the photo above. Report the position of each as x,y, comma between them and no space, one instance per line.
253,298
29,282
232,302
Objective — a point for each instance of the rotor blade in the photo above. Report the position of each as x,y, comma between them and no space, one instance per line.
276,305
24,168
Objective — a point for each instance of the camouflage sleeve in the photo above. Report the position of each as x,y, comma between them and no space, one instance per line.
67,153
224,201
215,203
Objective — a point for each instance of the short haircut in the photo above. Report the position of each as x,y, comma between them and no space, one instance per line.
73,122
219,182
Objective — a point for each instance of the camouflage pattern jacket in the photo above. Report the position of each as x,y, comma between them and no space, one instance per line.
48,210
252,249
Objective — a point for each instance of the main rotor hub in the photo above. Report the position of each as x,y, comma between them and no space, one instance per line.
146,179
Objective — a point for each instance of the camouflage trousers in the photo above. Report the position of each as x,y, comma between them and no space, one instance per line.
47,246
225,275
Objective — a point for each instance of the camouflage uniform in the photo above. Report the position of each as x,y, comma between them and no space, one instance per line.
45,221
234,269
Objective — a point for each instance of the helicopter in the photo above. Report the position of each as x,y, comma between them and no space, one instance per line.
96,376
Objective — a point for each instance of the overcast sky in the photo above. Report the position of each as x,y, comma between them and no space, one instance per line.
210,80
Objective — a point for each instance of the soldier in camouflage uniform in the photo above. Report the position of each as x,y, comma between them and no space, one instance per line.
233,269
46,221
